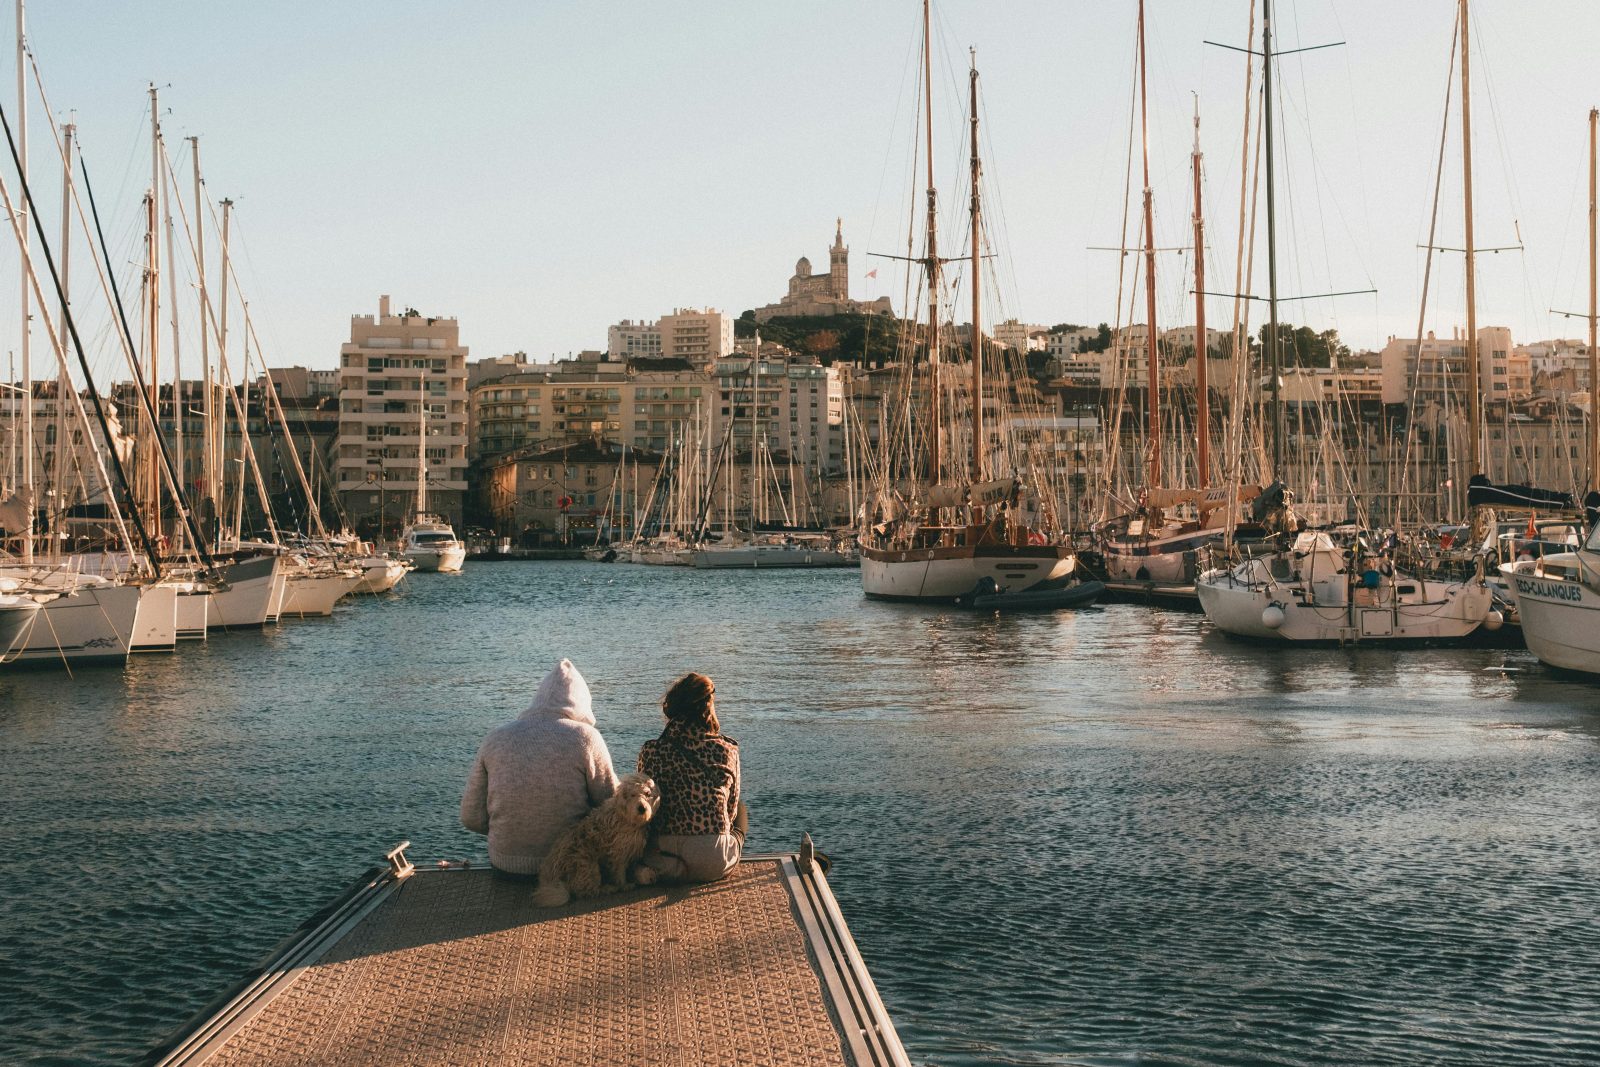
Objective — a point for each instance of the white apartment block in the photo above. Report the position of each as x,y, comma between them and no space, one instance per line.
1183,337
633,340
399,374
701,337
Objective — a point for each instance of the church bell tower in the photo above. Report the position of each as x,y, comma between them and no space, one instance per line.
839,264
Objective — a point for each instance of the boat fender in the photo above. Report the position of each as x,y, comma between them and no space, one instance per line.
1272,616
1493,621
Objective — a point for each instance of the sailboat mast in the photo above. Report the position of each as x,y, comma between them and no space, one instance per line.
1273,354
1152,360
1475,405
422,448
27,310
977,307
64,379
1594,313
935,415
1202,386
209,464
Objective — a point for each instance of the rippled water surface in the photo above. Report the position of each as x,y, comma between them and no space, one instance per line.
1108,837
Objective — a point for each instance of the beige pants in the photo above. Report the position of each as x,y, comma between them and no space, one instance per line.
694,858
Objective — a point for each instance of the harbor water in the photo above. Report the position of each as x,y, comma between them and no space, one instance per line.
1102,837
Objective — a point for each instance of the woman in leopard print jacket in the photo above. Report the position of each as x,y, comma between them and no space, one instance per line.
700,827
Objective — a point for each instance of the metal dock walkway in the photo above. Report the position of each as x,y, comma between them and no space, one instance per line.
418,966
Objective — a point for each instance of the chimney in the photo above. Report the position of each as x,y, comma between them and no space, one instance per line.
383,306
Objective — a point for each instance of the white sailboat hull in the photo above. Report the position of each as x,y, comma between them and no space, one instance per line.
16,615
1560,616
194,608
379,574
758,557
314,595
1442,611
249,596
155,626
92,625
946,573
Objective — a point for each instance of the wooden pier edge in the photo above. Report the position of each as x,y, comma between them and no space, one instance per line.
856,1012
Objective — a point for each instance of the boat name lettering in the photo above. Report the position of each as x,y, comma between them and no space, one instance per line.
1551,590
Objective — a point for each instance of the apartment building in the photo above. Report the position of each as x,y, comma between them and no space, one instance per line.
633,340
1435,370
700,337
402,388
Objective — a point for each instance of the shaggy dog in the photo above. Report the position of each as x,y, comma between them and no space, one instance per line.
594,856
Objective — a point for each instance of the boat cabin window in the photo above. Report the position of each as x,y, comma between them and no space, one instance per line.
431,538
1405,590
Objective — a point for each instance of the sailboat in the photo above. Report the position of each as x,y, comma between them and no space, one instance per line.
1558,596
1317,590
1154,550
428,542
954,532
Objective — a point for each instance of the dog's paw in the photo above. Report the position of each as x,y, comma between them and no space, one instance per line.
644,875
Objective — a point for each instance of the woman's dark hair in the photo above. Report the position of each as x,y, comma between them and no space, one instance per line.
688,703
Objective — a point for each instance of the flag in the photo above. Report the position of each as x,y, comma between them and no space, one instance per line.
872,273
1533,531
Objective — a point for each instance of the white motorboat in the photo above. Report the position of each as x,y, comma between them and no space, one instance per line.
430,544
1558,599
1317,591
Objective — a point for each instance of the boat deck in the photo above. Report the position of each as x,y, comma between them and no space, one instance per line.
457,967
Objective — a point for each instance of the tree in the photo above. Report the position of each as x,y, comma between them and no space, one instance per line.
1099,342
1301,346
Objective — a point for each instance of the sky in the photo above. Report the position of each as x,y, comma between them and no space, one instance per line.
541,170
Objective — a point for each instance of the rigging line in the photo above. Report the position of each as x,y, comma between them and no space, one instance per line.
94,394
1427,273
150,409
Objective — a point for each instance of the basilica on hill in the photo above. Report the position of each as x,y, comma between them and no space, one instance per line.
824,294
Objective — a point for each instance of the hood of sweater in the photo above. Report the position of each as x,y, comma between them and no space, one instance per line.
562,695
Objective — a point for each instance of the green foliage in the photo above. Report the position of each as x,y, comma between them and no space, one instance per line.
1099,342
866,339
1301,346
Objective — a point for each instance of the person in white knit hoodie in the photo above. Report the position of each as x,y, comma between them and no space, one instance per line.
538,774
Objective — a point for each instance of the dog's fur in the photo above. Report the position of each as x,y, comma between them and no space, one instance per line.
594,856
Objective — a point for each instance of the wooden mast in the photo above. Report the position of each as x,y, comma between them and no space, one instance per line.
977,317
1153,369
1474,386
1202,419
935,415
28,492
1594,315
1274,357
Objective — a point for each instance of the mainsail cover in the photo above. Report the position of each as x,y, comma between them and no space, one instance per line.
1483,493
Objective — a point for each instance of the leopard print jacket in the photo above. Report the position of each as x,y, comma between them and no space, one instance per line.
699,778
